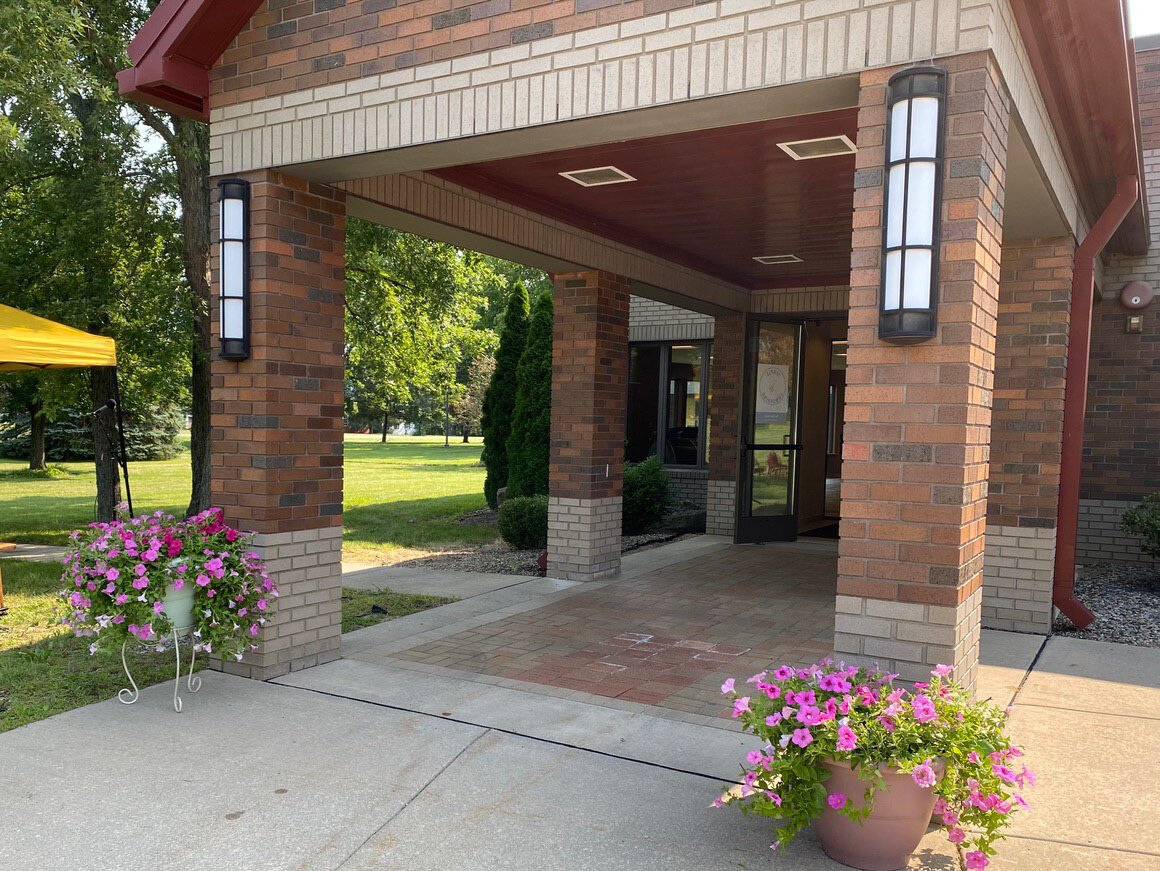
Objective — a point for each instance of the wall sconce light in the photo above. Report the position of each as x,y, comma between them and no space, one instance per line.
234,259
916,118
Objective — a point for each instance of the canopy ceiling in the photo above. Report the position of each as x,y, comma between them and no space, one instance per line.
31,342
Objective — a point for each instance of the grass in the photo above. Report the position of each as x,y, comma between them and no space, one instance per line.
45,670
402,497
363,608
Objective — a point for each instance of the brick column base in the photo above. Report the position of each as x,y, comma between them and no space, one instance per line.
721,508
1018,575
308,629
583,538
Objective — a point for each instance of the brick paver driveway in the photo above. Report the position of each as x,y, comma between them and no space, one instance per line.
664,637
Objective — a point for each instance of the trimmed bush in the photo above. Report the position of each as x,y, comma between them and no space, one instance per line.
500,398
528,444
647,495
1144,520
523,522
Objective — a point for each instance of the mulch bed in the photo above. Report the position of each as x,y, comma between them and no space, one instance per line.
1125,600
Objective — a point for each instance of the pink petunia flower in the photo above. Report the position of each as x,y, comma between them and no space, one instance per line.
976,859
802,737
784,673
726,688
956,835
924,775
1004,773
923,709
942,670
847,740
837,800
740,706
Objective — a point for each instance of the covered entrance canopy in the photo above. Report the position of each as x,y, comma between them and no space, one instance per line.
31,342
28,342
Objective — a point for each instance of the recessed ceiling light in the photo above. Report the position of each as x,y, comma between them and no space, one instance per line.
775,259
812,149
598,176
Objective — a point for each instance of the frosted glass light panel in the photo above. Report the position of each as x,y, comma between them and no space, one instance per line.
916,118
234,265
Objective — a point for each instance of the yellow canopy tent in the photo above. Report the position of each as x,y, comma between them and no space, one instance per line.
28,342
31,342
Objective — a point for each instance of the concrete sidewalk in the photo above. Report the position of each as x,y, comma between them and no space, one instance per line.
364,765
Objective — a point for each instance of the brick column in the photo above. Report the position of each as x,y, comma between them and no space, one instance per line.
725,378
918,417
1026,433
277,418
589,395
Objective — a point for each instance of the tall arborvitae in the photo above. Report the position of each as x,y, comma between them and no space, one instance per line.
500,399
528,444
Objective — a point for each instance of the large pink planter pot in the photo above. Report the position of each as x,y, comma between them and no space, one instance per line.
885,841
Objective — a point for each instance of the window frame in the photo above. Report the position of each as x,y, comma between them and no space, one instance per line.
662,409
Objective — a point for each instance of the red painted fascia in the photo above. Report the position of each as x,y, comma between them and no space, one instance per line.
175,50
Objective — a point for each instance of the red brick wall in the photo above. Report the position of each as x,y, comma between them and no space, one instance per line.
1122,427
918,417
589,385
725,386
1148,79
291,45
1030,368
277,417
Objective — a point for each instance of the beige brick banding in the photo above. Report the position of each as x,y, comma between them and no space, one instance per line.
583,538
721,507
910,638
307,626
1018,569
652,321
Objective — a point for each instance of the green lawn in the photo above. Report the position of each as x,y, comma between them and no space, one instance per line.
45,670
401,497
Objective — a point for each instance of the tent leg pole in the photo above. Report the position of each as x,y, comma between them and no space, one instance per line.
121,434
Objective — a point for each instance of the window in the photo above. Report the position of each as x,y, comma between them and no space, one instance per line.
668,395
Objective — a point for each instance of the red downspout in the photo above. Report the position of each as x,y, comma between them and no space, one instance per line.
1079,345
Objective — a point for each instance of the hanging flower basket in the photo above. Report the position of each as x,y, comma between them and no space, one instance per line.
154,580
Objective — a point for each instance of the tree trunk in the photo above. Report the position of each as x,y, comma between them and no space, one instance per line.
191,153
36,460
386,426
105,443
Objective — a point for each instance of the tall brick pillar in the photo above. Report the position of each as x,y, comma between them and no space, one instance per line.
918,417
589,395
1027,433
277,418
725,378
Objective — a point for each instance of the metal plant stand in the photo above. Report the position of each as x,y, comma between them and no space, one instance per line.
192,682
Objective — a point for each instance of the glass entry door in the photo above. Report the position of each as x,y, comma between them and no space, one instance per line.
770,443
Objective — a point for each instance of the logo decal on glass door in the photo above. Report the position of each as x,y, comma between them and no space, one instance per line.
772,405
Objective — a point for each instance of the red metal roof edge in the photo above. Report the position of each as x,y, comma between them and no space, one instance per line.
175,49
1084,63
